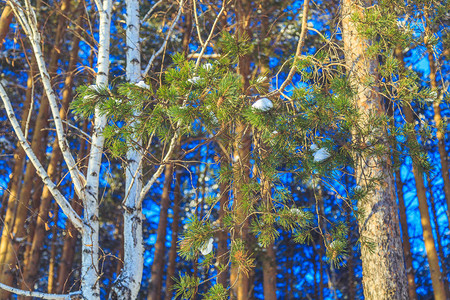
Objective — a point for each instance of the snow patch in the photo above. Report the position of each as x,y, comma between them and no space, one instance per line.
263,104
208,66
143,85
321,155
194,80
207,248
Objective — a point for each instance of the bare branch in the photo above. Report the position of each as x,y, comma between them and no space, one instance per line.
148,14
160,169
41,295
298,52
199,58
168,34
197,24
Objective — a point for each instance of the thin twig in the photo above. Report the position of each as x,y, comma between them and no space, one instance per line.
168,34
197,63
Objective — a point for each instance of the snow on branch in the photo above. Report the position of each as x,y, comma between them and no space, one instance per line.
60,199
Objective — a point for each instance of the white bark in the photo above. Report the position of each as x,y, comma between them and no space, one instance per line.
60,199
89,268
128,282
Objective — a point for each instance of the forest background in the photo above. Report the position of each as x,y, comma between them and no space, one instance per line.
214,149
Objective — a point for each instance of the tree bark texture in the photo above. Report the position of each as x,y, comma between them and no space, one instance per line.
157,271
171,266
33,258
383,265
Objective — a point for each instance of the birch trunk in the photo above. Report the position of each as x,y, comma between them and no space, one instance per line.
383,265
89,260
128,282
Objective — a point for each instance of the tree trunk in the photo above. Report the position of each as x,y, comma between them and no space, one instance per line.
38,144
90,284
5,21
33,257
53,252
405,237
171,267
71,237
158,259
222,235
440,133
383,265
128,282
241,166
438,237
16,180
433,261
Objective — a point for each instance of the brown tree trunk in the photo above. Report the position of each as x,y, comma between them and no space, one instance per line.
241,166
405,237
383,265
401,199
16,179
33,257
440,133
171,267
269,257
438,237
433,261
158,259
222,235
5,21
53,252
270,273
351,292
38,144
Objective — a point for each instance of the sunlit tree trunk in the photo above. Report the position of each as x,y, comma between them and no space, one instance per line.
158,258
53,252
16,179
440,133
241,165
383,265
5,21
433,261
405,237
438,238
38,145
33,257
